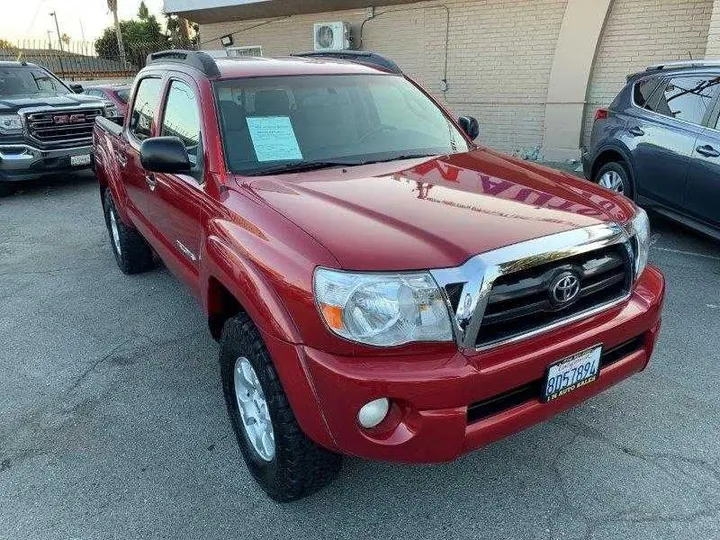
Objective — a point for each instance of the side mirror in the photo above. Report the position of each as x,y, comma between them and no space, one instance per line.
469,125
77,88
164,155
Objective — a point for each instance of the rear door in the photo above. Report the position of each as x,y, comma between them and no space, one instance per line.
702,200
662,133
178,199
141,126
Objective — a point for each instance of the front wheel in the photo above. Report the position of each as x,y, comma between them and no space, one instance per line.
283,460
615,177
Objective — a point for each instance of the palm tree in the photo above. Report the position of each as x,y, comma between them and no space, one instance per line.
112,6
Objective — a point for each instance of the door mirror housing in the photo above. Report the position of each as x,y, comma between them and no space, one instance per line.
164,155
470,125
77,88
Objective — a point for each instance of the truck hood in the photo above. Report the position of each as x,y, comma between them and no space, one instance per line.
435,213
12,104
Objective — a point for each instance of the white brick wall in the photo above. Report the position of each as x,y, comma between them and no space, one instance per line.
499,55
638,33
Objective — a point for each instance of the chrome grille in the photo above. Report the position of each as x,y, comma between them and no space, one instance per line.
62,125
521,301
506,284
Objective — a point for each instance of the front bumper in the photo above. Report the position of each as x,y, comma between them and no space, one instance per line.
20,162
436,396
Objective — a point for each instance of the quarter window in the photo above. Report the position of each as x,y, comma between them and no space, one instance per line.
146,102
182,119
685,98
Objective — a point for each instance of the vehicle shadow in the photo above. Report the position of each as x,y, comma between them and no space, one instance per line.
49,184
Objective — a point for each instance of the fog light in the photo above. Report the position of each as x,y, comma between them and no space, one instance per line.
373,413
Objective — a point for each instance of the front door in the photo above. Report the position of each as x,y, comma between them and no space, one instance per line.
703,191
178,201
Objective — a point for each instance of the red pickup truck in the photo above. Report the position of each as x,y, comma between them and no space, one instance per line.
380,285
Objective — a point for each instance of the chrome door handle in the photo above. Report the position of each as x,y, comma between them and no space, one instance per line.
122,160
635,130
707,151
150,181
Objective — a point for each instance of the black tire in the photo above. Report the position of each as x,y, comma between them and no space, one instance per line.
132,252
615,171
298,466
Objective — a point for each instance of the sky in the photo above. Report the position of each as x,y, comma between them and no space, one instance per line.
30,19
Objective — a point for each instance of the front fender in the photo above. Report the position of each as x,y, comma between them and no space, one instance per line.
239,275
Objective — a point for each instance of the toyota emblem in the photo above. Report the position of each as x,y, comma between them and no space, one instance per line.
565,288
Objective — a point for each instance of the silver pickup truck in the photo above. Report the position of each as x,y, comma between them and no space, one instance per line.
45,126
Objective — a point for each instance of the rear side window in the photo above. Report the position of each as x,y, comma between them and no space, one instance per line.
684,98
643,91
146,102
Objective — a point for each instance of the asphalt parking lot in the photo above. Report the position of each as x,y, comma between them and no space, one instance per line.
112,423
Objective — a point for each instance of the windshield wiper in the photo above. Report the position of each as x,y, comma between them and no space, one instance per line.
397,158
301,166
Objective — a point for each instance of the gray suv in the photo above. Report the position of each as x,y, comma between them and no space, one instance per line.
659,143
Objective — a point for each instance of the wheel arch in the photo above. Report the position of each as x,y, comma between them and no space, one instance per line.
615,153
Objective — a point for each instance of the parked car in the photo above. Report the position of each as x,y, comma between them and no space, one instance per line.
380,286
659,143
45,125
115,97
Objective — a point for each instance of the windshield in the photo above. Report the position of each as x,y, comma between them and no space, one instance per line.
276,124
15,81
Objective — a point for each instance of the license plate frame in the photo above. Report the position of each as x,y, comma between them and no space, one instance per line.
80,160
565,366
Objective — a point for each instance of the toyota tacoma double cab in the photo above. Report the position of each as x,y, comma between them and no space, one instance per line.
45,126
380,285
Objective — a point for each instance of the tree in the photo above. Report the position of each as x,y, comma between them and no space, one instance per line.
143,12
139,38
183,34
6,45
65,39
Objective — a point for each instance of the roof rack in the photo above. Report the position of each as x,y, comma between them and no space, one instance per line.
197,59
367,58
683,64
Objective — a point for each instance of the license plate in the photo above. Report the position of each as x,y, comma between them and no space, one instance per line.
571,373
83,159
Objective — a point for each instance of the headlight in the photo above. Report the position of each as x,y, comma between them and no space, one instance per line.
639,230
10,122
382,309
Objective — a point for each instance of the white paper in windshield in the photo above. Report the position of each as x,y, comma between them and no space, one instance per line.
273,138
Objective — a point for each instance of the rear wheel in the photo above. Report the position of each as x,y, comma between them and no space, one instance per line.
283,460
615,177
132,252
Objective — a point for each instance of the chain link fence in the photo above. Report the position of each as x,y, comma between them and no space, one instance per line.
82,61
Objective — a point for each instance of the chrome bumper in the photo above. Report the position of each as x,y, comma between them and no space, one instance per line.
23,160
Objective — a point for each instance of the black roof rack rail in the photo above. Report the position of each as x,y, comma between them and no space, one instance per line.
367,58
197,59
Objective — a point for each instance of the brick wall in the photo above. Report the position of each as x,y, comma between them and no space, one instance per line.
499,55
638,33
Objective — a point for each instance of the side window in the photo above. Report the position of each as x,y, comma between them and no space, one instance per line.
182,119
644,90
686,98
144,107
